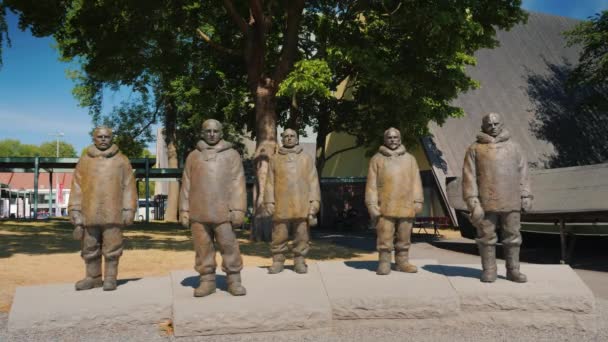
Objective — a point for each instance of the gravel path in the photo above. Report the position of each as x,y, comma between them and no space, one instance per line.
371,330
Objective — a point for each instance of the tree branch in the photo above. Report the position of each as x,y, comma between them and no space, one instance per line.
238,20
290,42
215,45
153,120
256,11
342,150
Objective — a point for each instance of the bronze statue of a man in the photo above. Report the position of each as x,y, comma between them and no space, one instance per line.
103,199
212,201
292,197
393,195
496,188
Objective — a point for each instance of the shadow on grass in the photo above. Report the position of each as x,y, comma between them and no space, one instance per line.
55,236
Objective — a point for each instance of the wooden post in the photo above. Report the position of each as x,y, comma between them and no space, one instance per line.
563,241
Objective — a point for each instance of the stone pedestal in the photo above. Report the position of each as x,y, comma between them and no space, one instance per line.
284,301
60,306
355,291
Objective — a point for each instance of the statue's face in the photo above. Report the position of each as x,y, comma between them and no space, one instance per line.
102,138
492,126
212,133
289,138
392,140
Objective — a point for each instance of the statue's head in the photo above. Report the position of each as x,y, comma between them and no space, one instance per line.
289,138
392,138
492,124
212,131
102,137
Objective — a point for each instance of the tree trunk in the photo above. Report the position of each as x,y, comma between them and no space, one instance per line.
322,132
266,133
172,157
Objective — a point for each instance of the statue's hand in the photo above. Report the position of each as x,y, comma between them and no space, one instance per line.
237,218
472,203
312,220
526,203
313,208
76,218
418,207
269,208
184,219
477,214
78,233
127,217
374,212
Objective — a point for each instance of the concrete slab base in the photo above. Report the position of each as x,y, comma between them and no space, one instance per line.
284,301
333,296
355,291
550,289
60,306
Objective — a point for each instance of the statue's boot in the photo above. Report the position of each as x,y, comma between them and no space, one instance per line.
206,285
278,264
92,278
384,263
110,274
488,263
402,262
299,265
234,285
512,261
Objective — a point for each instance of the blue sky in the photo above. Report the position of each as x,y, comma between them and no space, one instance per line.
36,98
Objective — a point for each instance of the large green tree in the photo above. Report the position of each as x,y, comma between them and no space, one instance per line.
591,73
403,61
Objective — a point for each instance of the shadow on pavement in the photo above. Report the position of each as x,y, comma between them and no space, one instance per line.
194,282
455,271
363,265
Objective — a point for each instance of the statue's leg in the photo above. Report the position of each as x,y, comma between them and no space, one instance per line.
301,245
232,262
202,237
278,246
385,231
91,253
486,242
112,250
511,244
402,247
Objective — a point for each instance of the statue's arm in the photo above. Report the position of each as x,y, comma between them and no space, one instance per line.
371,189
470,190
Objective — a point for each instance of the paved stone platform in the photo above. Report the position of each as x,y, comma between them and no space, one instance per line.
550,289
331,294
59,306
355,291
284,301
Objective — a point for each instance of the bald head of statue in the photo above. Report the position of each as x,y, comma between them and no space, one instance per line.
289,138
212,132
102,137
492,124
392,138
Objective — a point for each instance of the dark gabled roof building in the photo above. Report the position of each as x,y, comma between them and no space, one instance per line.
524,80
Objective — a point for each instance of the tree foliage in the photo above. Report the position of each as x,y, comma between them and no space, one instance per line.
403,61
14,148
591,73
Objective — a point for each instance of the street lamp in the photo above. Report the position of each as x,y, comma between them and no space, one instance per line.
57,135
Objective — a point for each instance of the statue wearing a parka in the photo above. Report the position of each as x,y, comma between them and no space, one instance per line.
213,201
496,188
292,196
393,195
103,199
